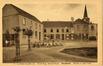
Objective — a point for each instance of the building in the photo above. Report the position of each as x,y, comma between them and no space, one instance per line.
80,29
93,31
16,17
57,30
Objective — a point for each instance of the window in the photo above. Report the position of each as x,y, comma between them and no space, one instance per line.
67,36
62,36
57,36
31,23
40,27
45,30
51,30
92,27
36,25
36,33
24,21
57,30
67,30
52,36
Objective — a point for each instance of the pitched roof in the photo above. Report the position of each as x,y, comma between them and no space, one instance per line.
24,13
58,23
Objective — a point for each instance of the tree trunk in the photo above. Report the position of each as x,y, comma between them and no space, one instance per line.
29,47
17,44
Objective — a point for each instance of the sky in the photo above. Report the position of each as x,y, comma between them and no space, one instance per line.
60,11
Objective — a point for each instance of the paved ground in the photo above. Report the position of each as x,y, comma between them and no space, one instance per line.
52,54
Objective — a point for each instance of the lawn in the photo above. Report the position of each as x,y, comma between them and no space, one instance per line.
89,52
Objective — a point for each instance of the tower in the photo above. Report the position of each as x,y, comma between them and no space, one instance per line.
85,12
85,16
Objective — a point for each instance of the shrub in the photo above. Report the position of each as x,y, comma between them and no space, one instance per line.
92,38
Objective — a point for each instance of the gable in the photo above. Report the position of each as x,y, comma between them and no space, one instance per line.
8,10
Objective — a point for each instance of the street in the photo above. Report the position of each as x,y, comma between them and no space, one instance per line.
44,54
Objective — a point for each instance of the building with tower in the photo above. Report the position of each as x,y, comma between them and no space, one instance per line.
79,29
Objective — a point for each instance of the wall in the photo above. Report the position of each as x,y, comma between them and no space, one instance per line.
48,32
10,18
34,25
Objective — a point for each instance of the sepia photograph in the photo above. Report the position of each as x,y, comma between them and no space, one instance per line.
50,33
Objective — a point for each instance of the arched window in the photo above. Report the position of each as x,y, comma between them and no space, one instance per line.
67,30
51,30
57,30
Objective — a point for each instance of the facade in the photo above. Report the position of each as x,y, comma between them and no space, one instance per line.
16,17
79,29
57,30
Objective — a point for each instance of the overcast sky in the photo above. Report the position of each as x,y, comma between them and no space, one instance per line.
60,12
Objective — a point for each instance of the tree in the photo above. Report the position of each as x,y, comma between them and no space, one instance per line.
29,33
17,42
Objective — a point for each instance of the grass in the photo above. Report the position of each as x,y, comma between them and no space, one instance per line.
89,52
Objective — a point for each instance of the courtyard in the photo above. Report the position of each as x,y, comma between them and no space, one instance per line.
48,54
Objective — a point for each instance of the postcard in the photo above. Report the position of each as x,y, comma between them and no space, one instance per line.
51,32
